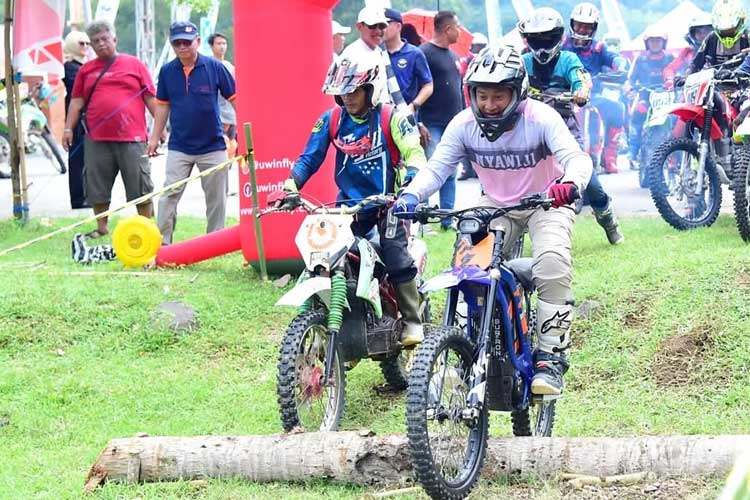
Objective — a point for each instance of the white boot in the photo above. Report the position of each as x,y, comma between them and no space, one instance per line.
553,331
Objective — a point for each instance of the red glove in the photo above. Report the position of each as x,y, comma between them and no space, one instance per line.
563,194
276,198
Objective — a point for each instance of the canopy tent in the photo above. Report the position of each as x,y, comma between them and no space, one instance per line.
674,24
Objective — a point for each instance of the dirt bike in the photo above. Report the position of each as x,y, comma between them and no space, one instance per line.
609,86
741,178
347,312
461,371
656,128
37,135
685,180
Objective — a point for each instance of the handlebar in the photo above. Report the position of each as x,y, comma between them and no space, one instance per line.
425,214
555,98
292,201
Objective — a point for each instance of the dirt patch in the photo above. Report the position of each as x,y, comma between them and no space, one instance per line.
636,316
679,358
742,279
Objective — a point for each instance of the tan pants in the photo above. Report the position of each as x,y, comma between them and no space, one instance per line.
179,166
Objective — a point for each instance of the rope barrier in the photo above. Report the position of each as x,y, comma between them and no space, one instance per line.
137,201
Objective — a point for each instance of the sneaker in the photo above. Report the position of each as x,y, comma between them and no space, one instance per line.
79,250
548,374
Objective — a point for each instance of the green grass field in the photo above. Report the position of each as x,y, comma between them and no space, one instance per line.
81,362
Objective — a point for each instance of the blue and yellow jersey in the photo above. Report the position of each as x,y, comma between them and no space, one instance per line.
360,176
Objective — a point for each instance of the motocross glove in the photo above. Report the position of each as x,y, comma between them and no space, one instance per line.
724,74
563,194
405,205
276,199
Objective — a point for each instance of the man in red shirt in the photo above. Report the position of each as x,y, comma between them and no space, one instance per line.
115,90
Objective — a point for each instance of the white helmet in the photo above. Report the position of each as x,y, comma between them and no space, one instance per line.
347,75
543,32
701,21
728,20
584,13
654,31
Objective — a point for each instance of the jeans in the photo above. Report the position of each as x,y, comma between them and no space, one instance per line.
448,189
595,193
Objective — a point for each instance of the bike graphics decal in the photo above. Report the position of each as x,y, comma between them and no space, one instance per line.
560,321
321,234
478,255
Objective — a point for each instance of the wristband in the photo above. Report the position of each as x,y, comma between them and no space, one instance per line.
67,130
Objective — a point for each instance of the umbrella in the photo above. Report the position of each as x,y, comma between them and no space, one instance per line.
423,21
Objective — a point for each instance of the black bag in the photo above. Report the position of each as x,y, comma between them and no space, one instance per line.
82,116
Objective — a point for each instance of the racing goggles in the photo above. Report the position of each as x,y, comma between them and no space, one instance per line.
543,42
360,147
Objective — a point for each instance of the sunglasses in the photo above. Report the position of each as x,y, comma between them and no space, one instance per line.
379,26
83,44
182,43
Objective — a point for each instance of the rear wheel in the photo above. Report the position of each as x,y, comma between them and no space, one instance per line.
673,179
52,152
304,398
447,448
741,190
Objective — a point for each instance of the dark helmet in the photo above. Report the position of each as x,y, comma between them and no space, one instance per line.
497,67
543,32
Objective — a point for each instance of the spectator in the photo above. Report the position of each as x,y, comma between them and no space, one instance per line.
409,64
219,44
115,89
188,86
409,33
75,51
447,97
339,38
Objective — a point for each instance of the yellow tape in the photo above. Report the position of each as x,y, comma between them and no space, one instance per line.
137,201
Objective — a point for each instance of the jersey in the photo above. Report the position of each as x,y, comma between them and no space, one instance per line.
360,176
712,52
680,64
596,56
537,152
648,69
567,73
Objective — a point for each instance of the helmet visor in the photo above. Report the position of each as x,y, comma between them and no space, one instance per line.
543,41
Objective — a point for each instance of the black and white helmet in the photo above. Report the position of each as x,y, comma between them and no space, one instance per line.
586,13
497,67
543,32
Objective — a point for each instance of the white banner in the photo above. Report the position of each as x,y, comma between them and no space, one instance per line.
106,10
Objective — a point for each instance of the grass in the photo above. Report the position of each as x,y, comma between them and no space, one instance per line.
81,362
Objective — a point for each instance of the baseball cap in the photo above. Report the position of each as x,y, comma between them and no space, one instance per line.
394,15
372,16
182,30
340,30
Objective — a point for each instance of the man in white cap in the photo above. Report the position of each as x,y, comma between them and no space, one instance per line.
339,37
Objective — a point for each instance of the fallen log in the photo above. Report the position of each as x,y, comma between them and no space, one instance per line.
361,458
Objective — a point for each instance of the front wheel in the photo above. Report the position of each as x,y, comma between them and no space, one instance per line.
305,399
52,152
741,189
396,368
673,179
447,446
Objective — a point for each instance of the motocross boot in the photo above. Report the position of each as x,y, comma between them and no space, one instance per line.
408,303
609,154
606,218
723,150
553,328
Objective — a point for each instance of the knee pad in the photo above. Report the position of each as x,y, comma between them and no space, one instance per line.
553,275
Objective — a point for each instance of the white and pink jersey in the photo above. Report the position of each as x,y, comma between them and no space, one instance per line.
531,157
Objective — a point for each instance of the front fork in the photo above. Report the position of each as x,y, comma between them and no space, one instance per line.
705,143
335,319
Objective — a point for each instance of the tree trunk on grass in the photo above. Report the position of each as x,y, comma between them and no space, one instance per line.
359,457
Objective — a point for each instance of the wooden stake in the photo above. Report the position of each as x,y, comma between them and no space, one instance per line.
256,210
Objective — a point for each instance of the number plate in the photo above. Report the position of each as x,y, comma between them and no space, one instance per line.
611,94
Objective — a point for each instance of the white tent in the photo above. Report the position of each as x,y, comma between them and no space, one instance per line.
674,23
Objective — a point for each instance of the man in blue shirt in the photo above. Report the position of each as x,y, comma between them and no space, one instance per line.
408,62
187,94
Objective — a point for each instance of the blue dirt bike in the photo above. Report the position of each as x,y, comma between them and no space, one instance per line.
478,360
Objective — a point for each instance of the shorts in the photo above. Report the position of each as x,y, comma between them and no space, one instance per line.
104,159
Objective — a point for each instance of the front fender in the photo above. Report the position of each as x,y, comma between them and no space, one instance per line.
319,285
694,113
453,277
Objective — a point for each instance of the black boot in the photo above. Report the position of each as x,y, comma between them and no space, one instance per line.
606,218
548,374
408,304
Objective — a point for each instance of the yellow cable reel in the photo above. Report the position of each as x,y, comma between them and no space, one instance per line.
136,240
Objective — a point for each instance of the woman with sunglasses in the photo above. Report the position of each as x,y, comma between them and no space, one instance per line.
76,53
371,141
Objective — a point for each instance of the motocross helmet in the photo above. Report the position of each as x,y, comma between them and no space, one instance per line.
478,42
497,67
585,13
348,74
652,32
700,24
543,32
728,20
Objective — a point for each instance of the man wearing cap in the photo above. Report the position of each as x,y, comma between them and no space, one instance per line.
187,94
408,62
113,91
339,38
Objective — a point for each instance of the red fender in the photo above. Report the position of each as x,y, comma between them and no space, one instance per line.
694,113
